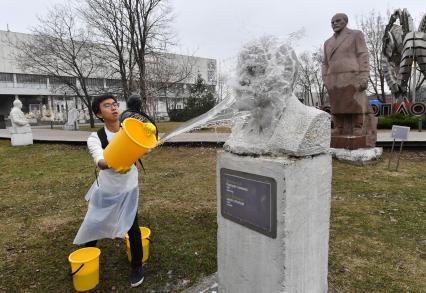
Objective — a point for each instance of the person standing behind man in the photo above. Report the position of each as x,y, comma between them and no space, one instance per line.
345,72
113,197
134,110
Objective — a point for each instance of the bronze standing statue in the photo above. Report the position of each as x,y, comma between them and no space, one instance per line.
345,73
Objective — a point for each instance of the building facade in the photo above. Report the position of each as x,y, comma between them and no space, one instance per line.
47,98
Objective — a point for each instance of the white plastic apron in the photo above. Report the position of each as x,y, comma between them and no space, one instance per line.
112,206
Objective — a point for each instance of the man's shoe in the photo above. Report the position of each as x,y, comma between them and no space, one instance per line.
137,276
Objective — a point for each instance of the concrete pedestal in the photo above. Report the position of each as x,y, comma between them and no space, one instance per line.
18,139
362,156
296,260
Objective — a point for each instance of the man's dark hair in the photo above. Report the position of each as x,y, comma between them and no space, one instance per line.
98,100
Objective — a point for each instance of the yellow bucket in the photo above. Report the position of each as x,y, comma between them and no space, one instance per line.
145,234
85,268
129,144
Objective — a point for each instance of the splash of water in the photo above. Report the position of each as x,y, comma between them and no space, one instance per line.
223,114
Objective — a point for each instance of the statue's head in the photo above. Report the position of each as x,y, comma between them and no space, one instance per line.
338,22
266,73
17,103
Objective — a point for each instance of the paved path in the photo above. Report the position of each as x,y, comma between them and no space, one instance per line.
53,135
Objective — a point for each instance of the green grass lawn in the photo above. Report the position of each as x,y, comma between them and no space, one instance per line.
378,223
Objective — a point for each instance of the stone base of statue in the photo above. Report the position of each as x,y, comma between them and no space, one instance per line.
21,136
18,139
362,156
273,223
354,131
351,142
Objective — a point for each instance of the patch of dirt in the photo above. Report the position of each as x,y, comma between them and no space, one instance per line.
52,223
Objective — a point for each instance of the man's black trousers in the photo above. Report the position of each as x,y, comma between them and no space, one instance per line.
135,243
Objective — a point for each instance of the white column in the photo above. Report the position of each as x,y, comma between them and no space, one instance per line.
296,260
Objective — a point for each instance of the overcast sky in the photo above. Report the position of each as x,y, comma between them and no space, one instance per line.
218,28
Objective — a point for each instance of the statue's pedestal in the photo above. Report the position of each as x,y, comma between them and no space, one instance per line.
21,136
273,223
362,156
18,139
346,136
350,142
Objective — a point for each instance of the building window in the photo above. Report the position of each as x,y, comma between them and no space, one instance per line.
6,79
211,72
61,81
114,83
31,80
94,82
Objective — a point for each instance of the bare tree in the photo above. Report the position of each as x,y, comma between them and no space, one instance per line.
110,20
309,81
61,49
150,35
223,89
135,34
166,72
373,27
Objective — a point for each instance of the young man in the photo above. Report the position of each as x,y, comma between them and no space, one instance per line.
113,197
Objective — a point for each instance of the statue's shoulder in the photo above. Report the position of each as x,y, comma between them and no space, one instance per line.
328,40
314,114
355,32
317,136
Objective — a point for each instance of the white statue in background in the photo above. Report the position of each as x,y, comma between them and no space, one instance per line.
278,123
81,116
72,118
59,116
31,115
21,130
47,114
17,117
86,114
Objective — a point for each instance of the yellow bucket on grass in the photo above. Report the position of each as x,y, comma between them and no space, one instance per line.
145,234
129,144
85,268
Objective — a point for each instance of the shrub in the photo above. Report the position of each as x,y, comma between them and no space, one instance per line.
386,122
201,100
178,115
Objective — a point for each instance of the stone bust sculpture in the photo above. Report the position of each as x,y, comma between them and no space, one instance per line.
278,123
345,73
19,122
